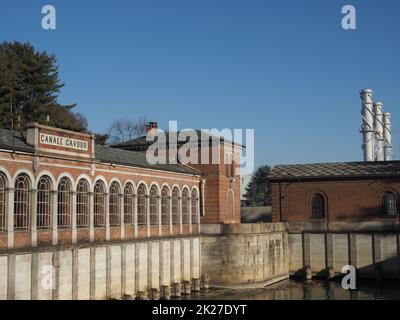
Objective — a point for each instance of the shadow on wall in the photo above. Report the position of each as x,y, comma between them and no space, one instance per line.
255,214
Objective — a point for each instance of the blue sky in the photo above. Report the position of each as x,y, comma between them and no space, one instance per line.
284,68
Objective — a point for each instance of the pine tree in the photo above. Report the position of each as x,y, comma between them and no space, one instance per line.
258,191
29,88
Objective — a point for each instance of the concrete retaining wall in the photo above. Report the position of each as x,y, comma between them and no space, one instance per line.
371,253
98,272
244,254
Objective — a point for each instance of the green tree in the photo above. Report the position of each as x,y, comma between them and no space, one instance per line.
258,191
29,88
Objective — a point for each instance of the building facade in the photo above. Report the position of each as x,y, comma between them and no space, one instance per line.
58,187
336,195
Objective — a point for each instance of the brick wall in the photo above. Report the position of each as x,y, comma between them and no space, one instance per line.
347,200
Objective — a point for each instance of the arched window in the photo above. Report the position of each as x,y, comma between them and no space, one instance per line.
175,206
44,200
141,205
165,206
129,199
22,202
154,205
82,204
114,204
195,201
318,206
185,206
64,205
99,204
389,204
3,201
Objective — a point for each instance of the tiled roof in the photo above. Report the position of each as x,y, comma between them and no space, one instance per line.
137,159
106,154
335,170
141,141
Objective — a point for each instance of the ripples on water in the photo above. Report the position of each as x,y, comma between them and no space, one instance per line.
302,290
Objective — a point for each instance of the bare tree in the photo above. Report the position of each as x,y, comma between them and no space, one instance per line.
124,129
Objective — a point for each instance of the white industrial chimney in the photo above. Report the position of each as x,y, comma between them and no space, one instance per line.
367,128
379,134
387,134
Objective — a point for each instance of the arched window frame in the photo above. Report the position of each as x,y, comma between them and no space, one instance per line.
82,204
114,204
141,205
154,205
185,206
194,206
175,205
3,201
64,203
99,204
318,206
389,204
165,207
129,203
44,201
22,202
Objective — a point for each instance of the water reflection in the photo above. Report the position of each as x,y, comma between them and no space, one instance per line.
306,290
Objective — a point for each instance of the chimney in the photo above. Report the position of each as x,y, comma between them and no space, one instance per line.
387,135
151,125
367,128
378,125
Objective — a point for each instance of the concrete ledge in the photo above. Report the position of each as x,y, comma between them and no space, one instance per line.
243,228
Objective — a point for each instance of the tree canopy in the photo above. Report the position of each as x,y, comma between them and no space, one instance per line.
258,191
29,89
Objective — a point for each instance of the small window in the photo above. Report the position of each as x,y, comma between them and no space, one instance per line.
389,204
318,206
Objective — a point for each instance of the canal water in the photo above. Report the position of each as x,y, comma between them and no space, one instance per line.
306,290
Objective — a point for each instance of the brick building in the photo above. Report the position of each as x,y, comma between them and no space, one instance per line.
59,187
333,196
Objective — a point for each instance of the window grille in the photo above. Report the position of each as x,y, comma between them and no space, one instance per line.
175,206
389,204
82,204
3,201
22,203
185,206
165,206
99,202
114,205
128,204
318,207
43,204
195,199
153,205
141,205
64,205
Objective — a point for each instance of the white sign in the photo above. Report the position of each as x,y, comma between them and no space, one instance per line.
65,142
